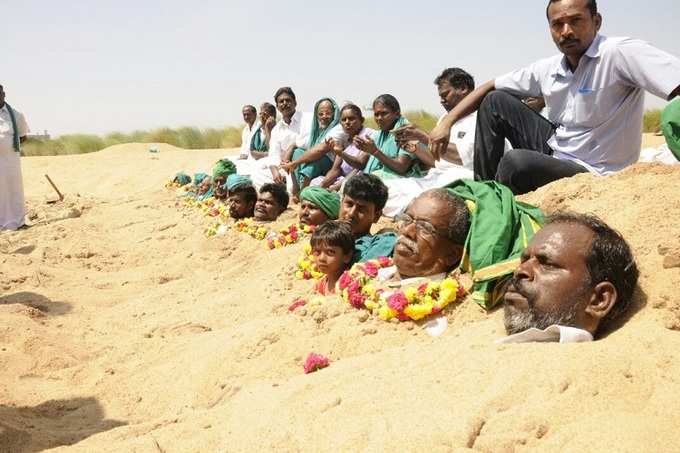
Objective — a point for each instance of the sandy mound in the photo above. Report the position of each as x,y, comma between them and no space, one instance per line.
125,329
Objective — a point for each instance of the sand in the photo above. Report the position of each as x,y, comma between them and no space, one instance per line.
125,329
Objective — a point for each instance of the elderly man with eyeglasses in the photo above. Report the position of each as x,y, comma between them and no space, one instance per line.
432,234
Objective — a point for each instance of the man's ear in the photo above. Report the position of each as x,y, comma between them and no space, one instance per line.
454,255
377,216
602,300
598,21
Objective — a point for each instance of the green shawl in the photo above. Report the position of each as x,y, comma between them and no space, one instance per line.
370,247
318,133
15,129
500,229
327,200
257,142
387,144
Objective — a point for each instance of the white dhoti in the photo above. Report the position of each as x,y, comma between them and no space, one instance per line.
12,204
403,190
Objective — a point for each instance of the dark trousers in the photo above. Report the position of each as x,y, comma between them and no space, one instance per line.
530,164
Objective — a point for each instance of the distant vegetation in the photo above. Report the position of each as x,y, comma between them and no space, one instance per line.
194,138
184,137
651,122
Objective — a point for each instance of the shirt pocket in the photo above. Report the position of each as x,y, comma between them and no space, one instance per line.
588,107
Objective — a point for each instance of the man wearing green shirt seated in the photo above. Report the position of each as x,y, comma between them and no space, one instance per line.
363,200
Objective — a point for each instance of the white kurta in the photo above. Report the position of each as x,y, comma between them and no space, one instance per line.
12,204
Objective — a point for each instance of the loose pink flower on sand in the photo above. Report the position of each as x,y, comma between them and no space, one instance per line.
397,301
315,362
298,303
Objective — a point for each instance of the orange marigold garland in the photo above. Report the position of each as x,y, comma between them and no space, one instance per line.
289,235
251,228
306,268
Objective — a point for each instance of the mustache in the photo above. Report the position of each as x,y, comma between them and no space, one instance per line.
568,41
517,286
409,244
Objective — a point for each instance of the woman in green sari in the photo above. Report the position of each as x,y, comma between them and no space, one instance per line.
386,157
316,157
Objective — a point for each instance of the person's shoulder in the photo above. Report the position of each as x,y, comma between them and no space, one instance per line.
614,46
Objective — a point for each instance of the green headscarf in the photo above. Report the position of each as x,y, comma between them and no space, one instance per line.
235,180
387,144
327,200
182,178
317,134
257,142
500,229
223,168
198,178
670,126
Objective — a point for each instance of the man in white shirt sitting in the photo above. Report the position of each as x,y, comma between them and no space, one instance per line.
250,117
576,275
594,91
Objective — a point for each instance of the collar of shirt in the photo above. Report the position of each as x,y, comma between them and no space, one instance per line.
552,334
294,121
562,68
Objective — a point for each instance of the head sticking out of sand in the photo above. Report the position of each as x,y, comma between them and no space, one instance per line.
576,272
271,202
363,200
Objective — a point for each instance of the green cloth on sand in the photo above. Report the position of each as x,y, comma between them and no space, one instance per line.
223,168
387,144
500,229
235,180
327,200
370,247
670,126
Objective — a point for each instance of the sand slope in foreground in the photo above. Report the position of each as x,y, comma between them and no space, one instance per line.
125,329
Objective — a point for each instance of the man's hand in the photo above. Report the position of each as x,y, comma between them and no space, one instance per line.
288,167
277,176
366,145
269,123
410,132
439,140
335,146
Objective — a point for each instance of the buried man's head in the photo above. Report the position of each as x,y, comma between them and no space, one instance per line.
271,202
432,234
318,205
242,199
363,200
576,272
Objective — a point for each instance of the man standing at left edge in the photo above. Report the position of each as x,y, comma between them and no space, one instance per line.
13,130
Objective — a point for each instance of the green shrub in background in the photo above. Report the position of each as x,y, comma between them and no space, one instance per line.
651,122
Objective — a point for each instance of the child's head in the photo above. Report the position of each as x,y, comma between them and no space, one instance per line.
333,247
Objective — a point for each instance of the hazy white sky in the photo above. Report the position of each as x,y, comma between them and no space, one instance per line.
121,65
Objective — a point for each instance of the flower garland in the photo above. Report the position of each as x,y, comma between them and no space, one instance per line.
249,227
315,362
411,303
306,268
289,235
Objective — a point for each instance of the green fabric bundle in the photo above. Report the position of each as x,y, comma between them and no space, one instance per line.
500,230
16,140
327,200
257,142
370,247
223,168
670,126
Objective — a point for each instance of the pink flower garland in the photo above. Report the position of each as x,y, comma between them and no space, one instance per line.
315,362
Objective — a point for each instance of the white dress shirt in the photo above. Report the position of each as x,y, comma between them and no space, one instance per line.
599,107
246,137
552,334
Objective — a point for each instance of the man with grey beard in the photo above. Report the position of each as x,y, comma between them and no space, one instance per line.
431,237
576,275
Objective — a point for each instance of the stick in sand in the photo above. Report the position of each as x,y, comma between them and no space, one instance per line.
61,197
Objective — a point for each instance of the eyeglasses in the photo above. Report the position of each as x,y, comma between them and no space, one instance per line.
423,227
